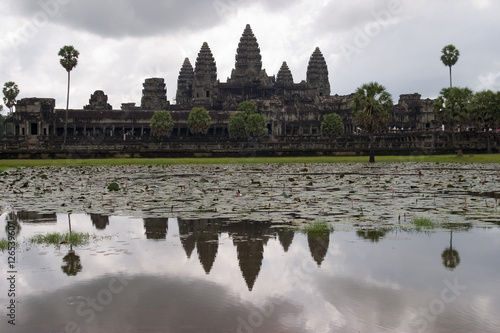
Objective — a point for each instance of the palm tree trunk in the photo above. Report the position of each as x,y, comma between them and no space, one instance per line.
450,78
67,107
372,151
488,142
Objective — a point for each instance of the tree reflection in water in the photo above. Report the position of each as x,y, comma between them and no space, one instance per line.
373,235
72,263
451,258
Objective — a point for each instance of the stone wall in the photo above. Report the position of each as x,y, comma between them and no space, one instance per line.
410,143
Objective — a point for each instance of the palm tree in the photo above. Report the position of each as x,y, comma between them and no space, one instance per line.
450,57
10,92
69,60
371,104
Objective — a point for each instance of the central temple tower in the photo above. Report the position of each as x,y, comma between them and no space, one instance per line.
248,59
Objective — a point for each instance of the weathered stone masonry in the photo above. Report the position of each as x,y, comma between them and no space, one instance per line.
292,110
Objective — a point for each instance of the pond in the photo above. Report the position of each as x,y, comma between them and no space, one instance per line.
154,274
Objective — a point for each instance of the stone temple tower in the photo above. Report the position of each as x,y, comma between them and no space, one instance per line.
205,76
317,74
185,83
154,94
284,77
248,59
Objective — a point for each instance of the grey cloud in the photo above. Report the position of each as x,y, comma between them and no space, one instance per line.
110,18
342,15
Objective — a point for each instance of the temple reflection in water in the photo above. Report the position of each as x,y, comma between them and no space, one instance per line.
248,237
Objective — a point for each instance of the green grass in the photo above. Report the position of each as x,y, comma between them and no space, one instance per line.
491,158
56,239
4,244
423,223
318,228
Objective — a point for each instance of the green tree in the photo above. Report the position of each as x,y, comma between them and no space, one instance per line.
10,92
199,121
256,125
449,57
237,126
69,60
332,125
247,107
371,104
452,108
162,124
2,121
247,122
485,112
453,105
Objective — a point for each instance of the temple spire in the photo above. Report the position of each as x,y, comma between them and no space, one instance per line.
206,69
205,75
284,75
317,74
185,83
248,58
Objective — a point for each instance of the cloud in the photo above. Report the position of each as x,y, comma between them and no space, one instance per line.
122,43
118,19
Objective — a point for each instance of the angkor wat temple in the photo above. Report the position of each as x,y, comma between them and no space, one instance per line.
293,111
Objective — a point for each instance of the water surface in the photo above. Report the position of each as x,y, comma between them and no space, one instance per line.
177,275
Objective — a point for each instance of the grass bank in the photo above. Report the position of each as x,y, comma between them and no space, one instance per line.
491,158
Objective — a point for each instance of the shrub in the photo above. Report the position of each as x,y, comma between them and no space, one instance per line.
332,125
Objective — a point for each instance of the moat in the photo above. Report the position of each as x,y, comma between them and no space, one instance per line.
223,248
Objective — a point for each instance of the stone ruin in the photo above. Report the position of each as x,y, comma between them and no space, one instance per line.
154,94
248,79
98,101
291,109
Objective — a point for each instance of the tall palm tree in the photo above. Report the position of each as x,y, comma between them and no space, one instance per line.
69,60
10,92
450,57
371,104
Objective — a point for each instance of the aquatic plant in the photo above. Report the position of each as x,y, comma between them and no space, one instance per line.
317,228
4,244
113,187
423,223
56,239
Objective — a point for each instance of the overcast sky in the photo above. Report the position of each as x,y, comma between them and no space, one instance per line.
394,42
